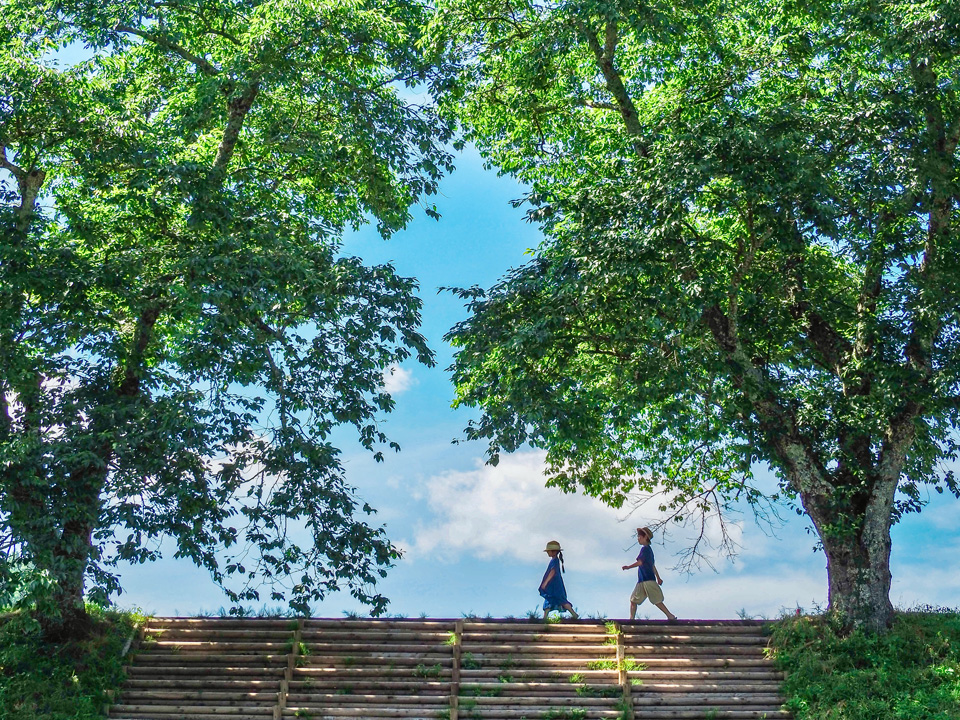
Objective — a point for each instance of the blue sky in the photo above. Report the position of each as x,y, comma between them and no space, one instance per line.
473,535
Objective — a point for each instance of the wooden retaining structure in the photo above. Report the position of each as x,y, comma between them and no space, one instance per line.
469,669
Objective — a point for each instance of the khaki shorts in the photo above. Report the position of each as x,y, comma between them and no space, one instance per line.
647,589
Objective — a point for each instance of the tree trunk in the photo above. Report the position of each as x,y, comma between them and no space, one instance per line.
72,552
858,572
69,618
855,532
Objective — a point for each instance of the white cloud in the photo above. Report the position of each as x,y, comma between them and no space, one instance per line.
507,512
397,380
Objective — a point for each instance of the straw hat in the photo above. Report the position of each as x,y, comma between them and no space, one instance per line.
552,545
646,531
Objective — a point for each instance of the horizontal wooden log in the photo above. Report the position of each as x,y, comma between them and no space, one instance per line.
215,648
198,715
705,640
221,623
216,668
710,699
188,710
321,700
215,658
376,647
211,683
372,658
208,697
688,687
193,671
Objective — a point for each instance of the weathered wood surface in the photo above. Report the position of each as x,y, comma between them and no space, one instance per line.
425,669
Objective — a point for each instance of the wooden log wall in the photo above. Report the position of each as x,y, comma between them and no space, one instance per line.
466,669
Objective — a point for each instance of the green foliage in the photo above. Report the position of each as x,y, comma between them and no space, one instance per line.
475,691
428,671
751,254
180,331
628,664
606,691
69,681
468,661
910,673
565,714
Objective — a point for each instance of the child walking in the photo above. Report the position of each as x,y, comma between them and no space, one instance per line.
648,579
552,591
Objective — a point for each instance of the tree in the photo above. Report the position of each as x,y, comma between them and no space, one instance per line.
181,332
751,256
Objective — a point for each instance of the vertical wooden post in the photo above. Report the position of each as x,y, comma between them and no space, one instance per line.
455,676
288,671
622,676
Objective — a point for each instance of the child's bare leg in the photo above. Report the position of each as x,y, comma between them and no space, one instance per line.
663,608
633,611
569,608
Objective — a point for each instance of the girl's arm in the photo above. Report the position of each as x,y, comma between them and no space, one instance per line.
547,578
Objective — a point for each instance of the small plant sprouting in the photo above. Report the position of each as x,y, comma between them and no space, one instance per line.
607,691
602,665
627,665
469,662
431,671
623,706
565,714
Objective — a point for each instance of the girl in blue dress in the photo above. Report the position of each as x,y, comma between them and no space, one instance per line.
552,591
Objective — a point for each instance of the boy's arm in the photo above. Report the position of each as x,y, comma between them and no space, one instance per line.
627,567
657,575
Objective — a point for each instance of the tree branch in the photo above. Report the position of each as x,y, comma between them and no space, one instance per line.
205,65
778,424
239,107
604,58
29,183
130,385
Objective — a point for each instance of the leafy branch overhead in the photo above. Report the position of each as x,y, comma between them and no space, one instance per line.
181,333
751,255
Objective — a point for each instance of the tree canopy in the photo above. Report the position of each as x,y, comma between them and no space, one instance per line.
751,255
180,332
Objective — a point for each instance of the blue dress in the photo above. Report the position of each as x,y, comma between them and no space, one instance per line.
554,594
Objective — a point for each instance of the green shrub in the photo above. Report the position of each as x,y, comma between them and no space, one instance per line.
69,681
910,673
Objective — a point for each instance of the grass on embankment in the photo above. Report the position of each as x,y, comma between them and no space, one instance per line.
911,673
71,681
